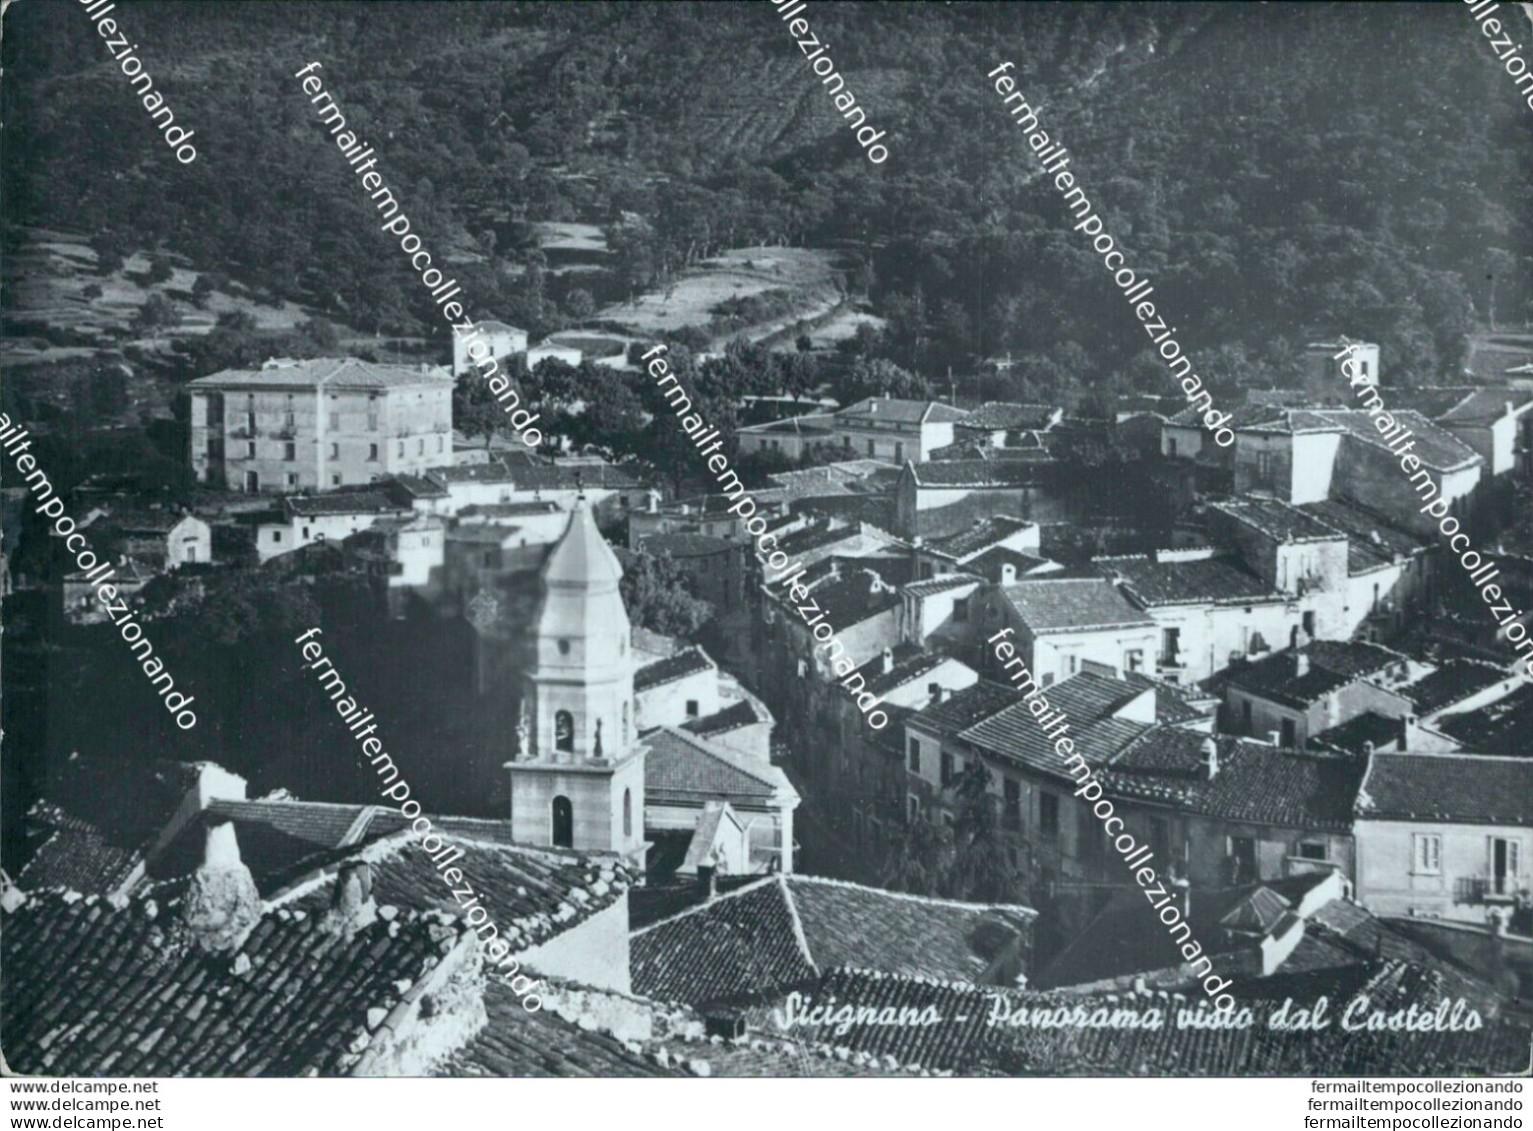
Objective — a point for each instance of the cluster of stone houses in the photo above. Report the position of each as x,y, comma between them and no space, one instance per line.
1233,690
1323,801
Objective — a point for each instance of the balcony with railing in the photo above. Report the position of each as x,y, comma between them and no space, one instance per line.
1488,889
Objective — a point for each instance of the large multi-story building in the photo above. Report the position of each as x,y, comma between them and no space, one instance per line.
318,424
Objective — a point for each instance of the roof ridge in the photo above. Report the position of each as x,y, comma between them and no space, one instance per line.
797,923
695,908
717,753
909,897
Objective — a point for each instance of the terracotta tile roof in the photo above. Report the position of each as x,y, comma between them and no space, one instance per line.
1072,605
406,488
1501,727
898,411
689,661
1332,664
810,424
740,714
683,767
1172,703
91,990
544,1044
1014,735
982,535
565,477
1453,681
908,663
1486,405
1089,696
277,839
847,924
739,945
1370,730
876,510
981,473
531,894
778,934
1255,782
341,502
1474,789
989,563
1276,519
1436,447
996,415
1371,540
326,372
75,854
963,709
103,817
509,510
858,594
1203,581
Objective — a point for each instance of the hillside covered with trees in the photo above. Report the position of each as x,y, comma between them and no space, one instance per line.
1277,171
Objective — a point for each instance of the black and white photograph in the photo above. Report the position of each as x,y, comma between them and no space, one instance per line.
766,539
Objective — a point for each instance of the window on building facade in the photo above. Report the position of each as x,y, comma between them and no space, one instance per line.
335,480
1427,854
250,422
1505,865
947,767
1288,734
1264,466
1314,850
420,446
335,451
335,422
401,449
1048,814
250,449
372,421
627,813
439,443
564,731
1011,793
292,479
289,451
691,708
1133,660
372,452
1171,446
915,756
961,609
913,807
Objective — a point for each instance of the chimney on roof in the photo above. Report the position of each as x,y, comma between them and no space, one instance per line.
351,900
1510,407
1300,665
888,660
1210,752
221,905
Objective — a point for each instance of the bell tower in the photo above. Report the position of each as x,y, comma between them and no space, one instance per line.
577,779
